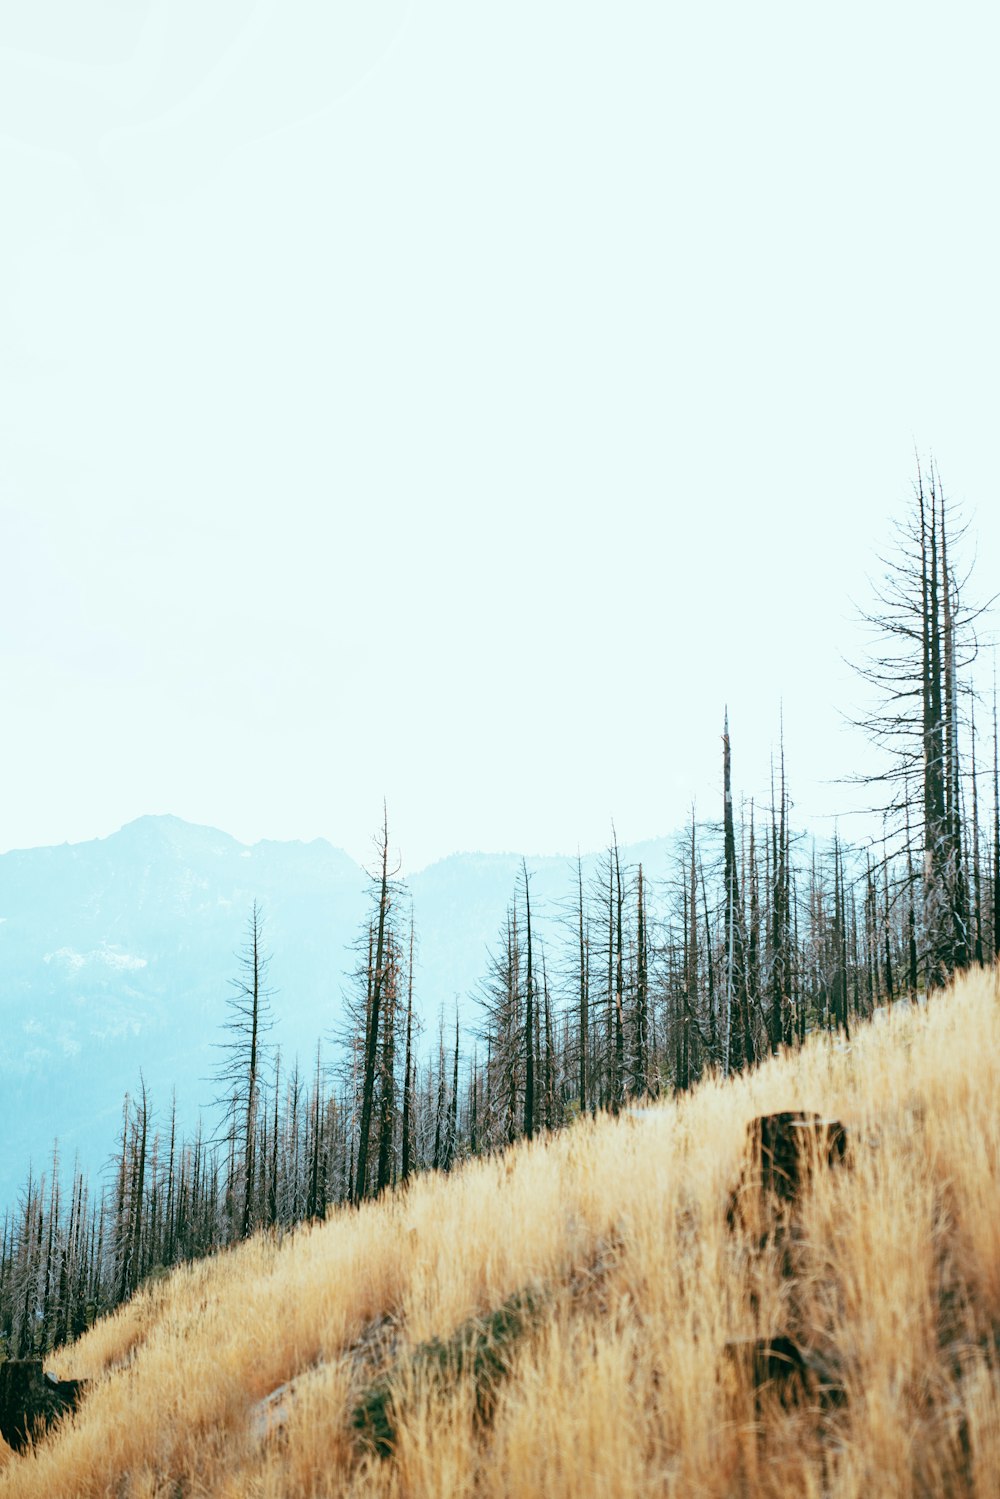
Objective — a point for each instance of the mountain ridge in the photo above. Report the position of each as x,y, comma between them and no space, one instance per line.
116,954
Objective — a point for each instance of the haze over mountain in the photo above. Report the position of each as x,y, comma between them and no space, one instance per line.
116,957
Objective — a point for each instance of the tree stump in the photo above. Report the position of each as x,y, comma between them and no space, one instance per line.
785,1147
31,1400
782,1151
797,1376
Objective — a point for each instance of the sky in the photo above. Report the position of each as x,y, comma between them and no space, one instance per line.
461,405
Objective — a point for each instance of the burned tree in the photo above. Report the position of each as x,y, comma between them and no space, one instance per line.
924,642
738,1040
377,979
240,1072
529,1020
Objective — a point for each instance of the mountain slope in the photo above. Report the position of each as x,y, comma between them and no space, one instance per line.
560,1320
116,956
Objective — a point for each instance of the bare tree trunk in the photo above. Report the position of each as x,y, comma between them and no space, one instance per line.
640,1080
371,1028
529,1022
996,835
407,1071
737,984
453,1118
387,1079
619,1092
977,882
549,1099
250,1125
584,1018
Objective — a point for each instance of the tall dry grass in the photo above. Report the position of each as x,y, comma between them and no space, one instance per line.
622,1384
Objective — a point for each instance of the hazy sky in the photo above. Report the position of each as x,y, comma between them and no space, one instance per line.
462,402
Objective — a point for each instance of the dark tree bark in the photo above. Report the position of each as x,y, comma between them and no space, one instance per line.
737,1032
529,1021
619,1089
996,836
372,1020
584,1040
387,1080
405,1163
453,1116
640,1077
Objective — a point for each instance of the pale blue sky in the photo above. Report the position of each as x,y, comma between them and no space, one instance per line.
462,403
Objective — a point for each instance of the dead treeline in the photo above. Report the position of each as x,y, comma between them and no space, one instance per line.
632,992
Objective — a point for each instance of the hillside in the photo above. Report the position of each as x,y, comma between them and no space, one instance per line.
604,1286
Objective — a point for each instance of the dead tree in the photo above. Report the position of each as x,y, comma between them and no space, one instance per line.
374,1009
925,644
241,1068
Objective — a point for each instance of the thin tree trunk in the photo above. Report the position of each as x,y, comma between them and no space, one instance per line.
371,1029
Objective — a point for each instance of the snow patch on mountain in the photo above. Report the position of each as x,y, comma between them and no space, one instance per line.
118,962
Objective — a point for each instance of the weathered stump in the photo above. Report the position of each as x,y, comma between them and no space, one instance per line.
782,1150
797,1376
31,1400
787,1145
772,1363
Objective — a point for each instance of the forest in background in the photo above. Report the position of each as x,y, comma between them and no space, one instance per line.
762,938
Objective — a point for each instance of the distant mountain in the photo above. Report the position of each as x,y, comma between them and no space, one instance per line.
116,956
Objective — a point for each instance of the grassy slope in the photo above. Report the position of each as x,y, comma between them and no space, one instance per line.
623,1386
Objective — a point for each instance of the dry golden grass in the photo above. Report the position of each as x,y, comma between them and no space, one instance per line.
622,1386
